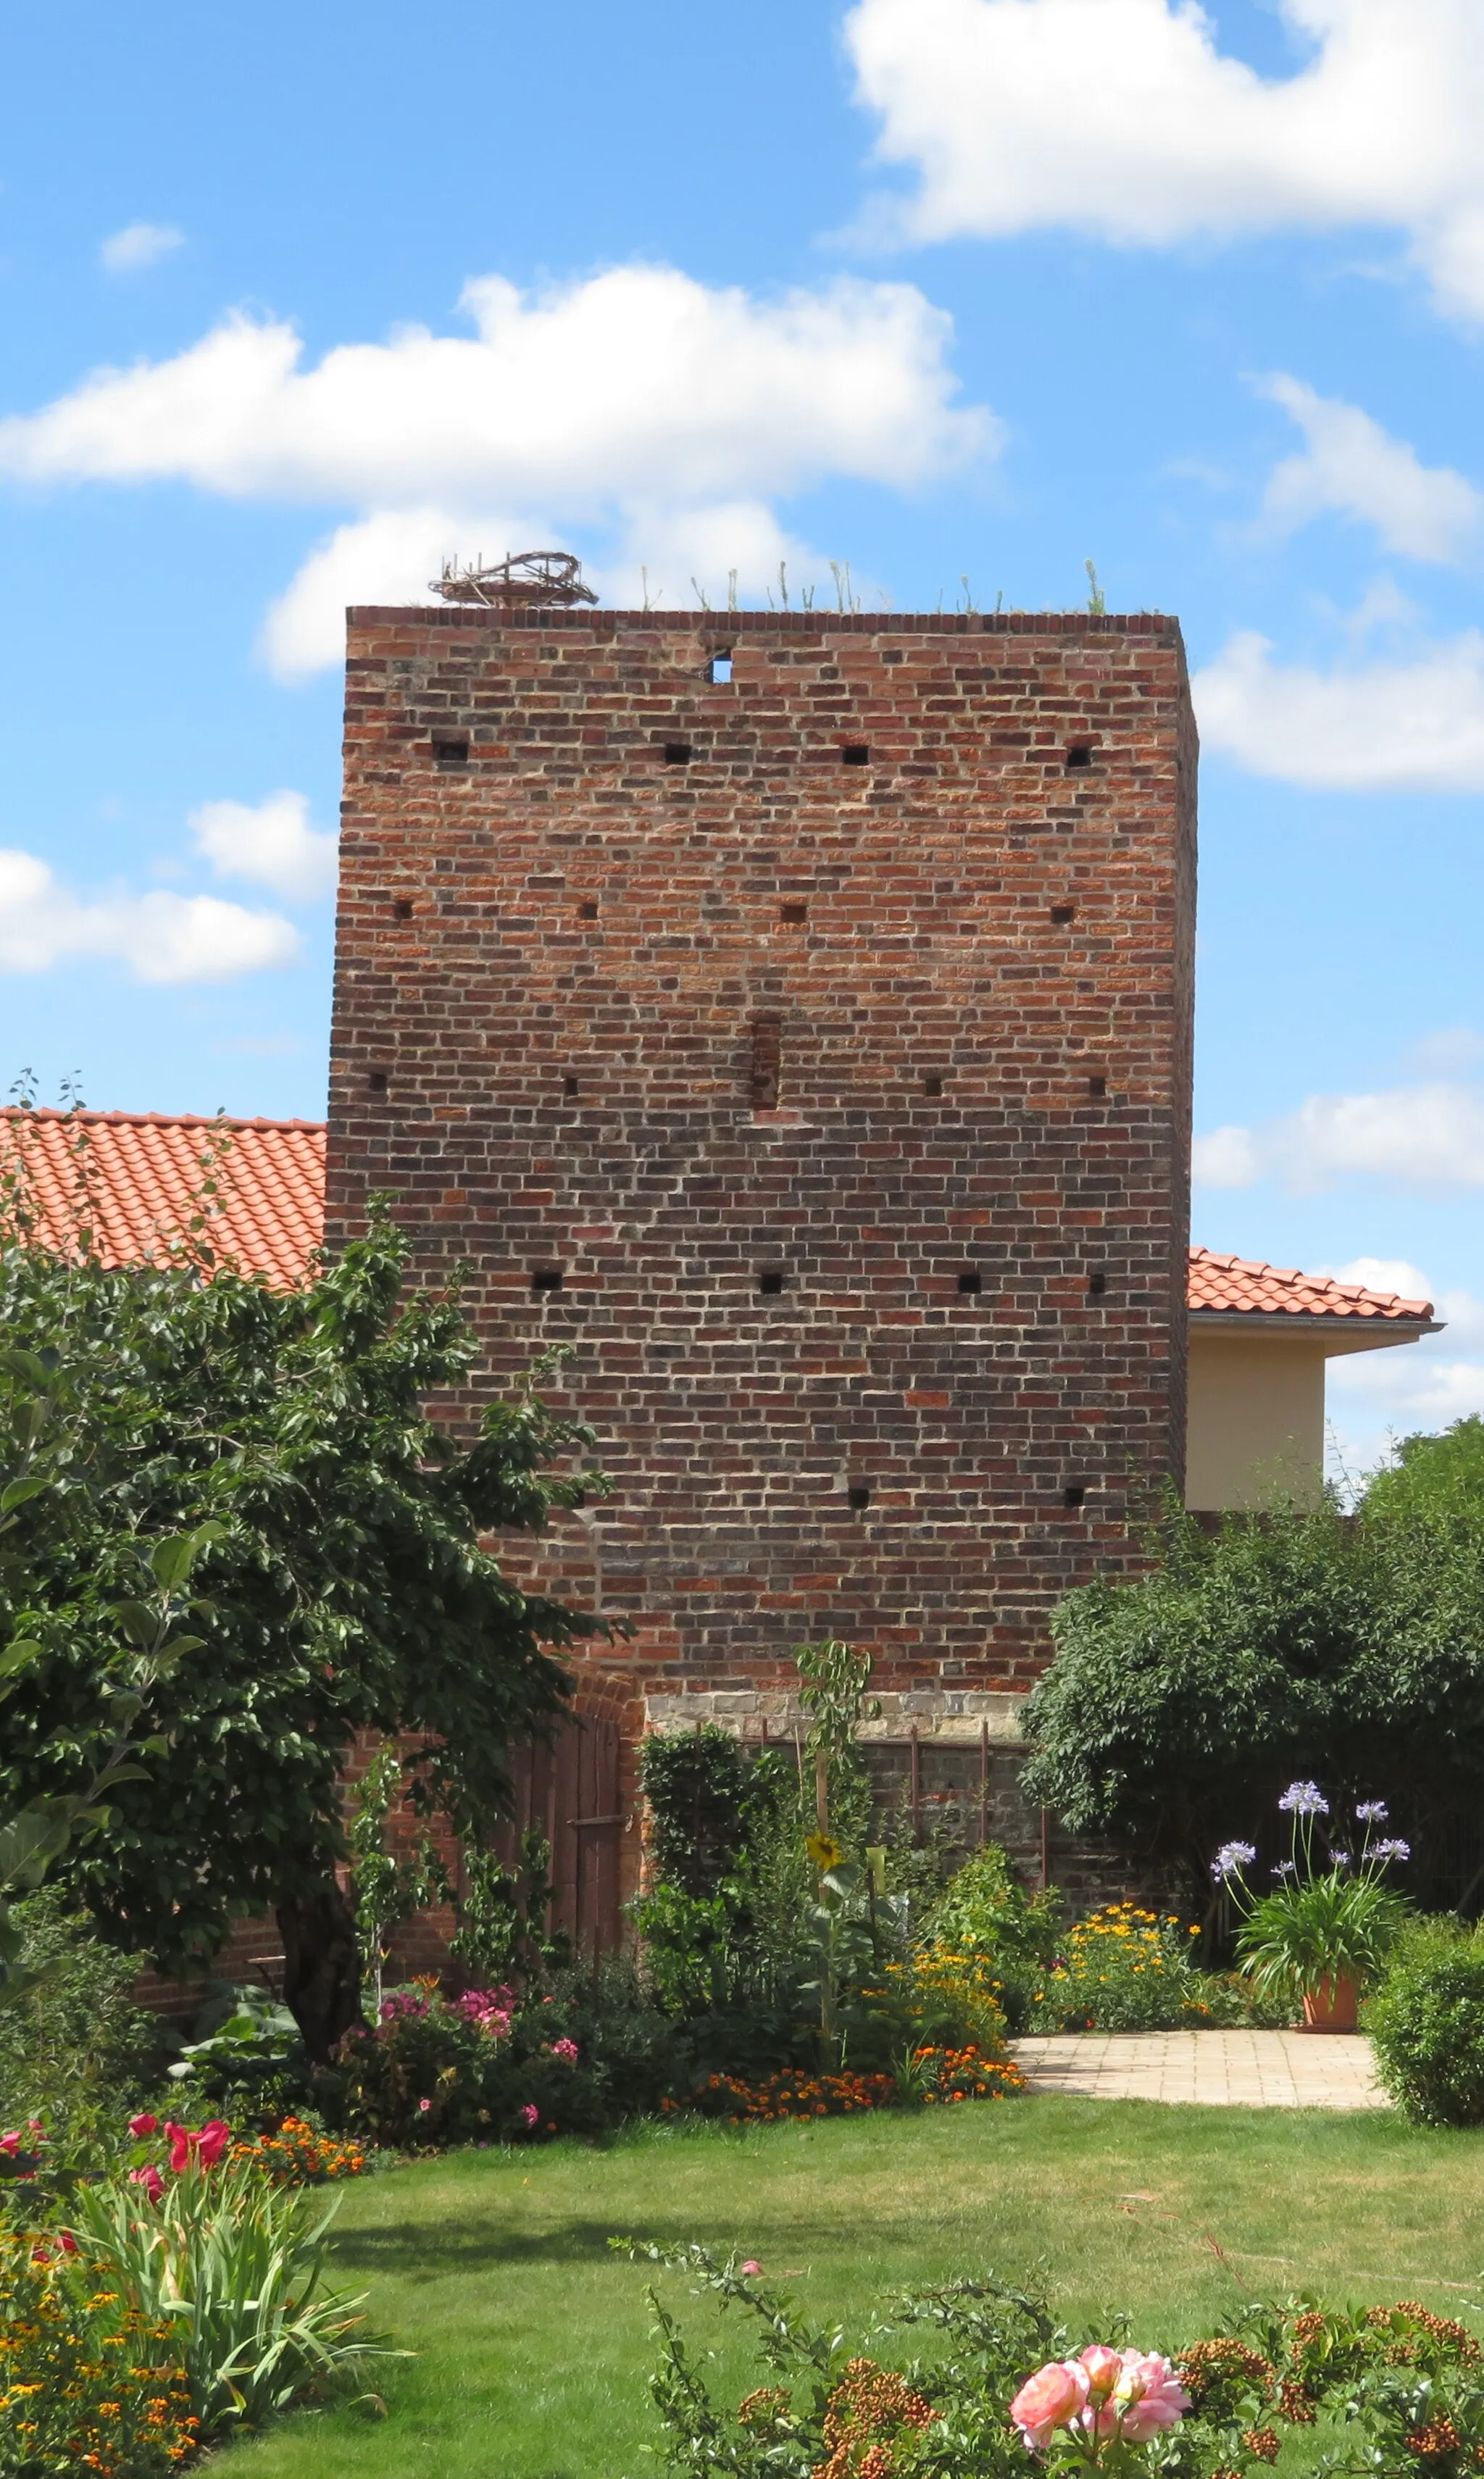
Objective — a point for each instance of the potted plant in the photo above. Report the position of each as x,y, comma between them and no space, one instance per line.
1323,1932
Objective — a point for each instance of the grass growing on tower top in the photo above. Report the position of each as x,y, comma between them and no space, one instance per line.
532,2339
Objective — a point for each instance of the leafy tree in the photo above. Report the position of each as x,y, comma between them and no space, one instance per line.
1302,1643
336,1528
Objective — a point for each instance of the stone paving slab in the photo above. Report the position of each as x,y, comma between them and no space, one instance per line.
1213,2069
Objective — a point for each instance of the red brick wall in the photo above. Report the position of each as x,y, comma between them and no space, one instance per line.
564,969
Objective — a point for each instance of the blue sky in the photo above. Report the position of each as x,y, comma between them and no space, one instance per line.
299,298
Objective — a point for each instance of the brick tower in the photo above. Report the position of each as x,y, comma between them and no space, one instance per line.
791,1012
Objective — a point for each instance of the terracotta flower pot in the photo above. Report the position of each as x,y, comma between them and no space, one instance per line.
1331,2006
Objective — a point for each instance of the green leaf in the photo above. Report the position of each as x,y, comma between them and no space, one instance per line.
16,1493
137,1621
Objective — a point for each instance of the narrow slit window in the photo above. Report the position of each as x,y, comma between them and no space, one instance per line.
450,747
719,671
1097,1086
570,1087
1097,1283
933,1088
1063,915
1078,756
971,1282
859,1496
545,1281
767,1061
1075,1494
678,753
769,1282
855,753
377,1079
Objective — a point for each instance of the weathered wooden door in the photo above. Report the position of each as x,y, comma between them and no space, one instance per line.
569,1792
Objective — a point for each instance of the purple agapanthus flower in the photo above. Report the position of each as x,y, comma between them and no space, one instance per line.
1285,1868
1341,1860
1230,1859
1391,1850
1372,1811
1304,1798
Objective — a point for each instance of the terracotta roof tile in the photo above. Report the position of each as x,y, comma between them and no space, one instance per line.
146,1171
137,1178
1240,1286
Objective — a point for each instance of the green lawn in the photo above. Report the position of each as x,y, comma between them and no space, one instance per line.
532,2339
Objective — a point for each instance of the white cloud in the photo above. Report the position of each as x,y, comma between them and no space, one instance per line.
1353,467
1124,118
137,246
156,937
1376,1395
1452,1052
1428,1138
272,845
1415,722
668,414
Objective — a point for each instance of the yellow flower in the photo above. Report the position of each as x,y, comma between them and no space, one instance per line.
825,1853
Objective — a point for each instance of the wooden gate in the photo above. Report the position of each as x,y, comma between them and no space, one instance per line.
569,1792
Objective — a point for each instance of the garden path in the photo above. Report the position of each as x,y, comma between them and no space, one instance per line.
1213,2069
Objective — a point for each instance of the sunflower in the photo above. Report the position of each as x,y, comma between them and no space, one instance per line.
825,1853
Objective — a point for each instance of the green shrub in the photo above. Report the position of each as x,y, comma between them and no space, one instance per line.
245,2060
1125,1969
234,2266
74,2047
1426,2021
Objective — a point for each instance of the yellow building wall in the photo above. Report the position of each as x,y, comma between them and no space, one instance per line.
1255,1426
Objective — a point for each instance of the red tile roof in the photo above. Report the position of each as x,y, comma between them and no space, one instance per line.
138,1179
145,1175
1241,1286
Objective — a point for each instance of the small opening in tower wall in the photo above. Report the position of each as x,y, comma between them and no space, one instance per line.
545,1279
377,1079
859,1496
794,913
769,1282
587,911
450,747
719,670
1075,1494
971,1282
402,909
1097,1283
571,1087
1063,915
678,753
765,1072
1097,1086
855,753
933,1086
1080,754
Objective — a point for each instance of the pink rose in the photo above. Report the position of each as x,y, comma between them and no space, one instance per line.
1152,2395
530,2114
423,2104
143,2124
150,2179
1051,2398
565,2050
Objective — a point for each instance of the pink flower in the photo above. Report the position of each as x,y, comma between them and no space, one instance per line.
565,2050
1052,2398
751,2264
150,2179
1151,2395
207,2146
10,2143
68,2243
212,2141
143,2124
423,2104
530,2114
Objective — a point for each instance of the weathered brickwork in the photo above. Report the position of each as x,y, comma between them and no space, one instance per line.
834,1107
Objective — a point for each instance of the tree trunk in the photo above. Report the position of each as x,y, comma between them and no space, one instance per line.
322,1968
